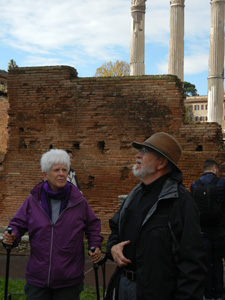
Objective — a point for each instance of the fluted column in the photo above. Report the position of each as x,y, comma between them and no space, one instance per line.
216,63
176,41
137,44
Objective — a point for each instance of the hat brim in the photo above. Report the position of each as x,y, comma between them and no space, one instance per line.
147,145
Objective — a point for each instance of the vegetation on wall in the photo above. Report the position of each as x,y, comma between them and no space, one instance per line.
12,64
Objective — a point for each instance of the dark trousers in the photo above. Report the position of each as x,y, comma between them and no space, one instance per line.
68,293
214,243
127,289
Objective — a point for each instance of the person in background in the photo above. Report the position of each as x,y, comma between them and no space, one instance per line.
56,215
212,226
155,236
222,170
72,175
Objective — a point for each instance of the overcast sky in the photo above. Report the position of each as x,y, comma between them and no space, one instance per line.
86,33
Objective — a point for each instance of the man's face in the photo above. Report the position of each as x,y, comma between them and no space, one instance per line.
146,164
57,176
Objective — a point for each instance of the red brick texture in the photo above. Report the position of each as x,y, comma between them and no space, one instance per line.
97,118
4,106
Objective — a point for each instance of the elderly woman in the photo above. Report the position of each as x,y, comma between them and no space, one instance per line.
56,215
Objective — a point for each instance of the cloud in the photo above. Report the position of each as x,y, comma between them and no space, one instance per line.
157,21
196,63
41,61
85,32
50,25
196,37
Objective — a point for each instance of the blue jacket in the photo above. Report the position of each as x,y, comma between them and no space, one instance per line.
206,178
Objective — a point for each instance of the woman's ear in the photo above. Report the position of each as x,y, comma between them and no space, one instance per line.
45,175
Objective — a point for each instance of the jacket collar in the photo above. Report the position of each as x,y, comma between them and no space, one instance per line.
169,190
75,195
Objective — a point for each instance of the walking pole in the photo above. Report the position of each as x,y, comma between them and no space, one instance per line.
95,267
8,249
103,276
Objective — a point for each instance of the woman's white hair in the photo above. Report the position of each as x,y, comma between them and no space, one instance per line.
54,156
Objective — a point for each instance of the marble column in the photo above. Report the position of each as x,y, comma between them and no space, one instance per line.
216,63
137,43
176,41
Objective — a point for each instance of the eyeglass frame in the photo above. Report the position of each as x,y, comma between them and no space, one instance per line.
144,151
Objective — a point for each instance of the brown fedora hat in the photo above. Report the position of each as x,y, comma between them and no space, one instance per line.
165,144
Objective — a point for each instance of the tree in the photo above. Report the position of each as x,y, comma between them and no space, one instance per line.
12,64
3,73
190,89
119,68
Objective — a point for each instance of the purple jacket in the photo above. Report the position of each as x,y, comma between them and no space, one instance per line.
57,250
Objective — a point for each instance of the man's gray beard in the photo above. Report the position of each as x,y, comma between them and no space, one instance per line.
142,172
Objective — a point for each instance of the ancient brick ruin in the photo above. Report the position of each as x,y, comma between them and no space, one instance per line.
98,118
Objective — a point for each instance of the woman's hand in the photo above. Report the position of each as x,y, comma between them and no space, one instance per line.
96,256
8,239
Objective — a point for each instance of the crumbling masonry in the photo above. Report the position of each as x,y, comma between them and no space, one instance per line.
97,118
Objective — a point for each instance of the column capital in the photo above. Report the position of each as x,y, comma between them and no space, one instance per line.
214,1
138,6
177,2
138,2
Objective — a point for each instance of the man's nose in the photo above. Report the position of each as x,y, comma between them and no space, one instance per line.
139,155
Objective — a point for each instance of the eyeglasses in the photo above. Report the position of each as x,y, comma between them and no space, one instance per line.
143,151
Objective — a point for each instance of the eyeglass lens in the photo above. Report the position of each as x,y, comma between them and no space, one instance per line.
143,151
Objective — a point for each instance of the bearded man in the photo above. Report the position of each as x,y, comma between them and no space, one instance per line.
155,236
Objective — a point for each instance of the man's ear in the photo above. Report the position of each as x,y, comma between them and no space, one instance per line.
163,163
45,176
216,171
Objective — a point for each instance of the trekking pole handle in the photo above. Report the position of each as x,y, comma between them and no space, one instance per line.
9,229
92,249
9,247
95,266
103,260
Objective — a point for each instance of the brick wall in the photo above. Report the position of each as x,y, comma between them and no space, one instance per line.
4,106
97,118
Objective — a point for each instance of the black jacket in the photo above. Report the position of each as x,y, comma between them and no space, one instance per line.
170,258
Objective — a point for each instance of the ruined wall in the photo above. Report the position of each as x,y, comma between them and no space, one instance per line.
97,118
4,106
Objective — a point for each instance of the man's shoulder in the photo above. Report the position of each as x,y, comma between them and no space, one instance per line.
221,181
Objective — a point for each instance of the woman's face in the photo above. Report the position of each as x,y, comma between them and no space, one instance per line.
57,176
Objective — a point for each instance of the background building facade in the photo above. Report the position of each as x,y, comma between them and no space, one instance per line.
197,109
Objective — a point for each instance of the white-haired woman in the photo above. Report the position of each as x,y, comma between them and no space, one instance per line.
56,215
